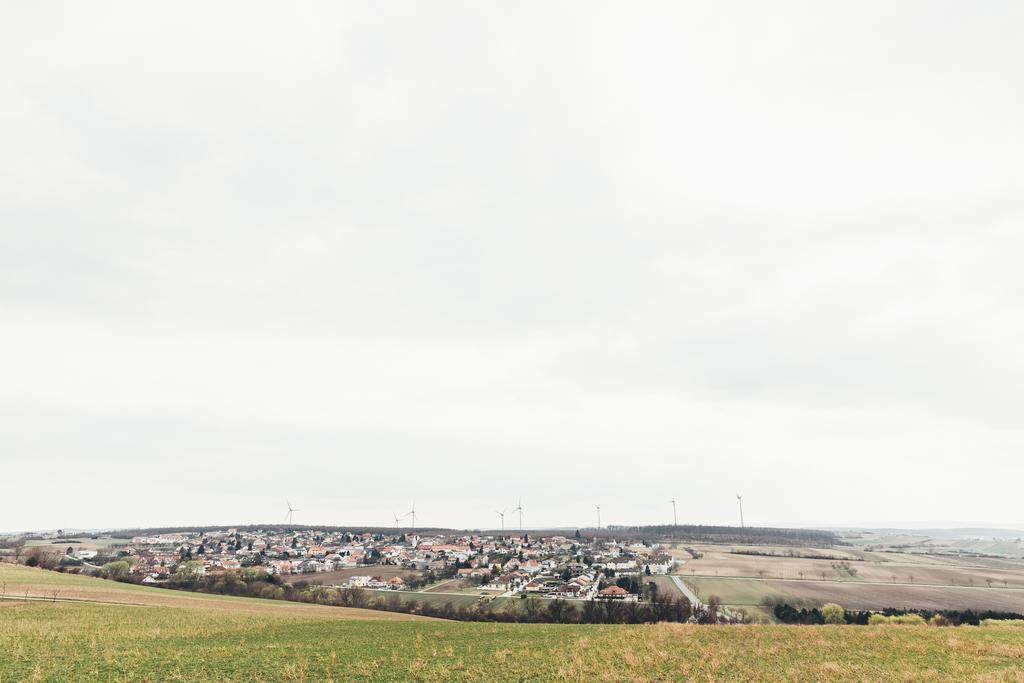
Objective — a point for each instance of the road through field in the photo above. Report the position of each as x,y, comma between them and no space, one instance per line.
694,600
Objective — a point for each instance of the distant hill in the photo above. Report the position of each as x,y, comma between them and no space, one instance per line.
966,532
732,534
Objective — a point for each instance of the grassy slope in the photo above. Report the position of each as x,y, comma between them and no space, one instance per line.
18,581
61,642
185,636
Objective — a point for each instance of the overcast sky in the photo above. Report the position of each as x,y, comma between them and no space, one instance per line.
357,255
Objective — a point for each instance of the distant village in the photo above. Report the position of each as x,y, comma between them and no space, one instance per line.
497,565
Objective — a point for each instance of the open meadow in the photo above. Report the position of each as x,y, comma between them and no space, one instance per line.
19,584
72,642
148,634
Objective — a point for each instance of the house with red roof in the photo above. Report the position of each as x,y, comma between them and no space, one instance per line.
615,593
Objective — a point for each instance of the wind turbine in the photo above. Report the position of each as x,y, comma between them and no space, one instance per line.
502,515
519,508
398,519
673,501
412,513
598,517
288,517
739,501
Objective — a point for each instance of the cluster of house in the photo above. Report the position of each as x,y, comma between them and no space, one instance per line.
552,566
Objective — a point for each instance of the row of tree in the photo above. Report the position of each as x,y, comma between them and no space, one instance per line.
528,610
834,614
732,534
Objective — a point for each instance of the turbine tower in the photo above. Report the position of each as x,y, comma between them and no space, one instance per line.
519,508
673,501
412,513
288,517
502,515
598,517
739,501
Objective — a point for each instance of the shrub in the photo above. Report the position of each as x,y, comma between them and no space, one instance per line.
114,570
833,613
1015,623
896,620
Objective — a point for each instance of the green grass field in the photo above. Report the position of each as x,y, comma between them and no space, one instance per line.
14,574
740,592
18,583
69,642
235,639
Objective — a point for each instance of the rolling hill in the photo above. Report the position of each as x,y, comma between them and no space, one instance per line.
142,634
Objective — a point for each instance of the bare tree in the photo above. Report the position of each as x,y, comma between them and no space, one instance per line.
710,615
612,611
357,597
557,610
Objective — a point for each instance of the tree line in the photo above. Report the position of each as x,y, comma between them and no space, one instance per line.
788,614
656,608
732,534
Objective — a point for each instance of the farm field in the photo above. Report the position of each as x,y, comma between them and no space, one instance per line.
869,565
60,642
752,592
426,597
462,586
446,586
665,585
880,570
18,583
873,581
738,592
342,575
918,543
